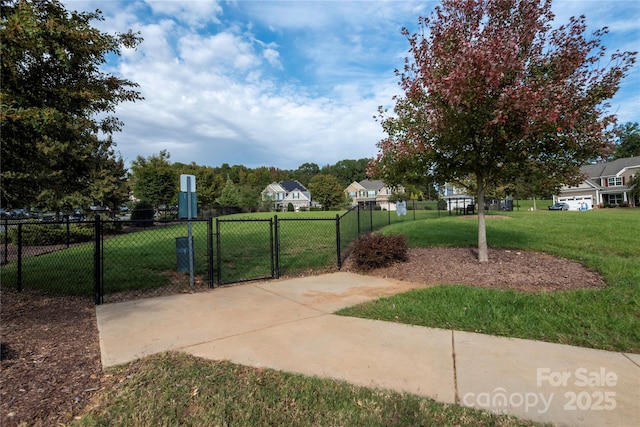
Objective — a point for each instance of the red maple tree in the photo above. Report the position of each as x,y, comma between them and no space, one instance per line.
493,93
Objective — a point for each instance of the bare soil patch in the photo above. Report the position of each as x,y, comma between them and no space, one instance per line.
50,358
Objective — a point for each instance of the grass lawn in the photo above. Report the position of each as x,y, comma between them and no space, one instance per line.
178,389
605,240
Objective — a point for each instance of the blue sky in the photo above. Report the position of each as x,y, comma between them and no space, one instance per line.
282,83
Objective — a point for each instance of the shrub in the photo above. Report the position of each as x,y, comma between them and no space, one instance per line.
290,208
375,250
143,213
52,234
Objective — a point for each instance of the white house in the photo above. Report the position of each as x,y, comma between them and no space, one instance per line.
284,192
371,192
604,183
457,199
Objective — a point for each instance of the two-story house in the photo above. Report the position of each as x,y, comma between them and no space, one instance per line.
457,199
368,192
284,192
604,183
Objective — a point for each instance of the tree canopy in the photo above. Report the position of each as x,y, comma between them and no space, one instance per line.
628,144
493,94
230,195
154,179
327,190
55,101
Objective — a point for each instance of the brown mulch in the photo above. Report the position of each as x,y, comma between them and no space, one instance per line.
525,271
51,365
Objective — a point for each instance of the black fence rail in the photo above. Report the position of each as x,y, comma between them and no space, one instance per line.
106,259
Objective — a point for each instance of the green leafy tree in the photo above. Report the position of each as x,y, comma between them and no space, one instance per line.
154,179
209,183
259,177
327,190
348,171
250,197
628,140
305,172
55,101
230,195
493,91
109,181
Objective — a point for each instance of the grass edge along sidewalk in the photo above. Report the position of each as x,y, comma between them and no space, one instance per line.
179,389
604,240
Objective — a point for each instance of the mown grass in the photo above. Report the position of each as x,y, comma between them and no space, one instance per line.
178,389
606,241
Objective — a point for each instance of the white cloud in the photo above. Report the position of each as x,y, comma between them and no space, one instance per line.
193,13
278,83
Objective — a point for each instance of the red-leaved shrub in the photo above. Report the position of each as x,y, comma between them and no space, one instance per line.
375,250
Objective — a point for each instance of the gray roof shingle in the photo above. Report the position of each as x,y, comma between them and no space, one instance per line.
610,168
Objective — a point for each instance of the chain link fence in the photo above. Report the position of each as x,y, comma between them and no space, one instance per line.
245,249
108,259
56,256
144,256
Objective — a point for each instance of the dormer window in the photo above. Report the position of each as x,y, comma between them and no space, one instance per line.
614,181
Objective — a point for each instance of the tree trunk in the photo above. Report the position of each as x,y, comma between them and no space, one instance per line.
483,250
534,204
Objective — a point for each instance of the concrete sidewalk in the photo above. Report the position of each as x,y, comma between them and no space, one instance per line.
288,325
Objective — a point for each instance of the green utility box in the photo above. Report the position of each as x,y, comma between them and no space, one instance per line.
182,254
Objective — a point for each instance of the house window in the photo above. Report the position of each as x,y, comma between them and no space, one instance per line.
371,194
615,199
613,181
280,196
352,194
295,195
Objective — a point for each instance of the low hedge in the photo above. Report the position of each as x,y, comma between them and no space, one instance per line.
51,234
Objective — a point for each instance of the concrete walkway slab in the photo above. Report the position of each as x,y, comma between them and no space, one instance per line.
635,358
547,382
362,352
331,292
134,329
288,325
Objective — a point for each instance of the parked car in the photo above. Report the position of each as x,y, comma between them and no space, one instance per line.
559,207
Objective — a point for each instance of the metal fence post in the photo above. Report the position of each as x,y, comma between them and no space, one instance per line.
338,241
19,257
275,246
210,250
218,254
97,265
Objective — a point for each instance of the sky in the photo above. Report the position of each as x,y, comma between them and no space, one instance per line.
283,83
